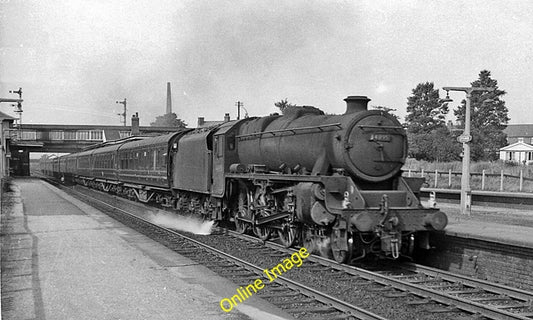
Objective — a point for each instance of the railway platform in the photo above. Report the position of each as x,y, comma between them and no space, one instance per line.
62,259
503,225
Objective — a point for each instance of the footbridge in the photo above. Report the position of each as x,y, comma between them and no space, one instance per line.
57,138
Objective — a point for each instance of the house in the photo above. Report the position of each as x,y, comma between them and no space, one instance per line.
520,148
202,123
516,131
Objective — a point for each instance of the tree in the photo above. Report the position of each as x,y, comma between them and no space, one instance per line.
283,105
168,120
428,136
388,110
438,145
425,110
489,117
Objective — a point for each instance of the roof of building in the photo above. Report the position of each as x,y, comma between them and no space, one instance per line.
4,116
519,130
518,147
206,124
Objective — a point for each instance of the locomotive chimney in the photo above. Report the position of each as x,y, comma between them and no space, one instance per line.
356,104
135,131
226,117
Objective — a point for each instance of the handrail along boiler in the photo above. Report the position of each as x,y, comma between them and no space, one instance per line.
330,182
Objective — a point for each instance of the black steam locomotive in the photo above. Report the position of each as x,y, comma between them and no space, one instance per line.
312,179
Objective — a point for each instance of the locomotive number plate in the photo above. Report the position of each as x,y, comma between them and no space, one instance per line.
380,137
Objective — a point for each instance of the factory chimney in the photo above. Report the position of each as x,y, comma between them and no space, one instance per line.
169,99
201,121
135,131
356,104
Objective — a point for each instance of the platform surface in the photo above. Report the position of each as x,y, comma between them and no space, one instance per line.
62,259
498,224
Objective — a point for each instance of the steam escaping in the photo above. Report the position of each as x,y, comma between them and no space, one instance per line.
319,246
177,222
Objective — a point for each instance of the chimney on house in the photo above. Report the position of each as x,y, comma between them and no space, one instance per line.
226,117
201,121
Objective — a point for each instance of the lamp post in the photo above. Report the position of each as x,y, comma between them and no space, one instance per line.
465,138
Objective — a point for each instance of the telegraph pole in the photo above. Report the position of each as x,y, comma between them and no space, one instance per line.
18,102
124,113
465,139
4,161
18,109
240,105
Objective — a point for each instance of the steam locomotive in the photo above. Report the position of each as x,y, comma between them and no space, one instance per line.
316,180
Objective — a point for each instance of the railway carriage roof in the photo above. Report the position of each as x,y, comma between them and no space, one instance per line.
159,140
84,153
106,149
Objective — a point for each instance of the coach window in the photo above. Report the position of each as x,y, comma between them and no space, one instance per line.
147,160
162,159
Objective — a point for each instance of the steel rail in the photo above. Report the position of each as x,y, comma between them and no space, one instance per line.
435,295
326,299
495,288
397,283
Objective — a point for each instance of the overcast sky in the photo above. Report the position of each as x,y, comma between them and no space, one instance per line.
74,58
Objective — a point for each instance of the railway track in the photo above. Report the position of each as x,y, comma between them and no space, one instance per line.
472,295
437,292
297,299
452,292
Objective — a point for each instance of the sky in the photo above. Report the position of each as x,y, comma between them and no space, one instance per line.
74,59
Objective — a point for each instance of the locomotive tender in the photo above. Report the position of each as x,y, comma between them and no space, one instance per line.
312,179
